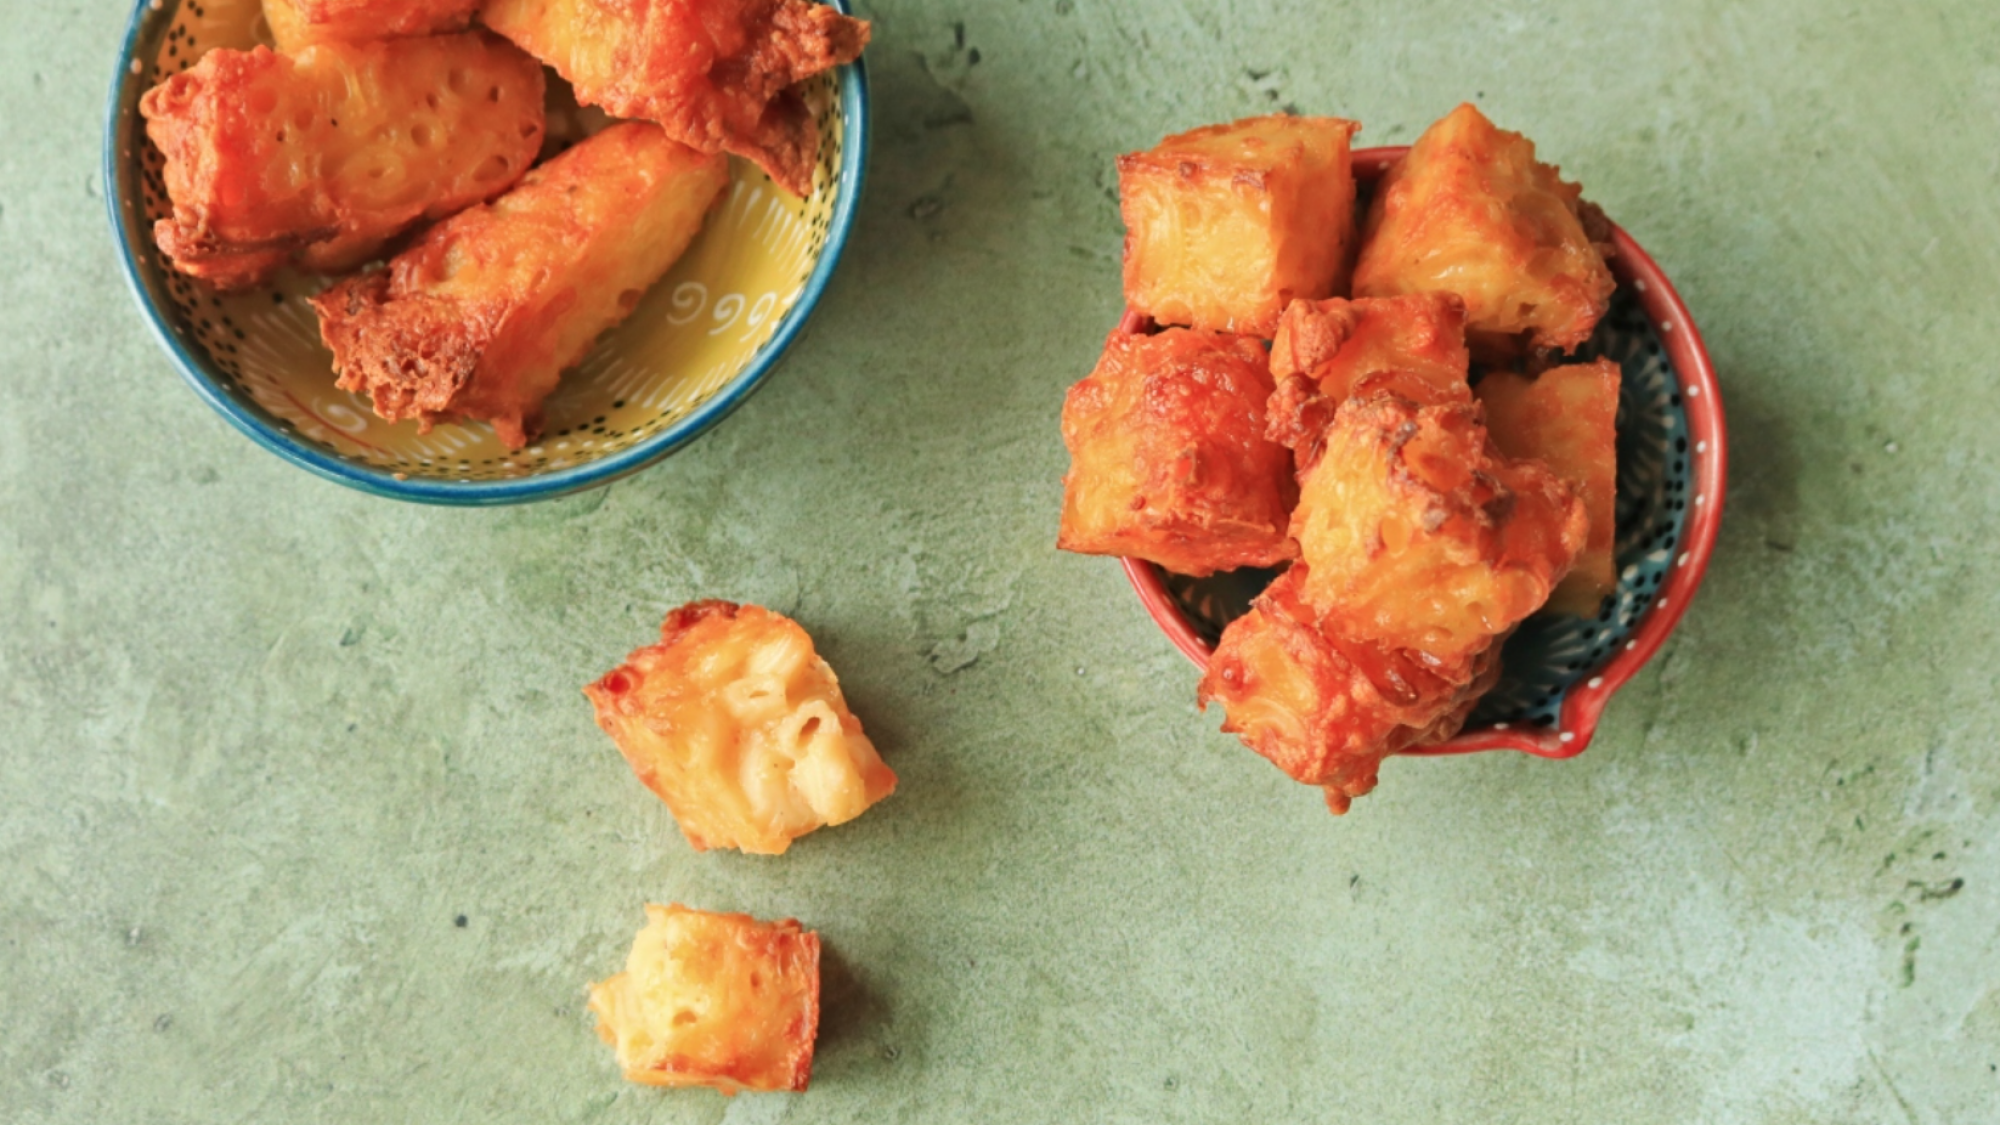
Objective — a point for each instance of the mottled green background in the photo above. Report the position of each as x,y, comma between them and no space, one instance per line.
263,739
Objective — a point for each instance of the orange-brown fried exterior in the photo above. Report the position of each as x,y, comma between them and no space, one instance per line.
737,724
719,75
480,317
1470,211
1168,460
1421,535
1568,417
1227,225
1326,707
328,153
718,1000
299,23
1327,352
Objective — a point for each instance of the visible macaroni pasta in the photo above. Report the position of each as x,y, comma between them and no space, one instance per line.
738,725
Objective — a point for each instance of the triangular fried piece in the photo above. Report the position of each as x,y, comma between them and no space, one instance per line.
718,75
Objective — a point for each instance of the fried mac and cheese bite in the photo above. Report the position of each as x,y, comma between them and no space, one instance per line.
328,153
1327,708
296,24
482,314
718,1000
718,75
1413,345
1327,352
1227,225
1168,460
1567,417
737,724
1469,210
1420,535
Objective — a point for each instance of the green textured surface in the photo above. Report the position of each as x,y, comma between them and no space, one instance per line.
263,739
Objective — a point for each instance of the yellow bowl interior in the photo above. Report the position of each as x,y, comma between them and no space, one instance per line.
694,332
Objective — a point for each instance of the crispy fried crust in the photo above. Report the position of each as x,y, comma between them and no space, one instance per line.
299,23
1326,707
480,317
719,75
1470,211
1345,346
1327,352
737,724
1568,418
1226,225
332,151
1168,460
1421,535
719,1000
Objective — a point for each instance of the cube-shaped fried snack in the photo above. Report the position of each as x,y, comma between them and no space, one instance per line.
737,724
1168,460
1471,211
1567,417
1227,225
719,1000
1421,535
719,75
296,24
1325,707
332,151
1327,352
1413,345
481,315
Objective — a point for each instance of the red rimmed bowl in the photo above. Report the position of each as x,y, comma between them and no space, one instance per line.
1558,672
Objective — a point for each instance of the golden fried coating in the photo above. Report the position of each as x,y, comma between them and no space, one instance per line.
334,150
1470,211
296,24
1327,352
737,724
1326,707
1349,347
1567,417
1421,535
1168,460
719,75
719,1000
481,315
1227,225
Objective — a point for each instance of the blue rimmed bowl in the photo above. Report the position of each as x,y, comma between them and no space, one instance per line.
700,341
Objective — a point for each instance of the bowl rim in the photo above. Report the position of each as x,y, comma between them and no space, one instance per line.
1708,460
854,111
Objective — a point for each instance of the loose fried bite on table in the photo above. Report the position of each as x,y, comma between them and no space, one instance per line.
1325,707
1470,211
1421,535
331,152
1567,417
719,75
1327,352
1168,460
1227,225
741,729
298,23
719,1000
481,315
